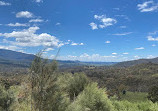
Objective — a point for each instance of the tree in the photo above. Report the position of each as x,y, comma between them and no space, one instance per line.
45,91
5,98
153,94
73,84
91,99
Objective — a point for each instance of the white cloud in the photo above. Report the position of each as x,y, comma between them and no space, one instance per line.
49,49
139,48
150,56
9,47
153,33
114,53
103,22
58,23
36,20
148,6
2,3
153,45
22,51
98,58
136,57
93,26
150,38
24,14
70,42
29,38
38,1
122,34
77,43
18,25
107,42
81,44
74,44
87,57
125,53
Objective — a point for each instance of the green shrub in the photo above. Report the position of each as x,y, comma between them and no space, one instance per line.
73,84
46,94
153,94
91,99
137,106
5,98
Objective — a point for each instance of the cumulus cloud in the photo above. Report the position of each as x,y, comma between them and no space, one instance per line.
18,25
81,44
150,38
125,53
107,42
77,43
36,20
29,38
103,22
58,23
114,53
93,26
2,3
137,57
153,33
153,45
49,49
150,56
9,47
148,6
87,57
122,34
139,48
74,44
24,14
38,1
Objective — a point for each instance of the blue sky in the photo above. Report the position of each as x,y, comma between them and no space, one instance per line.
85,30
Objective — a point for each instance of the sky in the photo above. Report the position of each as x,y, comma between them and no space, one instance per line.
84,30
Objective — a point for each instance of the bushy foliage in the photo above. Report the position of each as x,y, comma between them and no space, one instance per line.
45,92
91,99
153,94
5,98
73,84
47,89
135,106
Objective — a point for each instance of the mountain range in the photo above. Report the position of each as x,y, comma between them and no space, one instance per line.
13,58
136,62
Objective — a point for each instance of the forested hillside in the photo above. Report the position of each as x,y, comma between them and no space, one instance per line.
83,88
136,62
135,78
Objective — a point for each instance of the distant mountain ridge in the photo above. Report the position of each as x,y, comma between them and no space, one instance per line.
136,62
22,59
13,55
14,58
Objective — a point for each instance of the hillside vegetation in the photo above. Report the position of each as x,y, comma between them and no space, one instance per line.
46,88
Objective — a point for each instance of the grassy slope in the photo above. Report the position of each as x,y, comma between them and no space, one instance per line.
134,97
134,102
